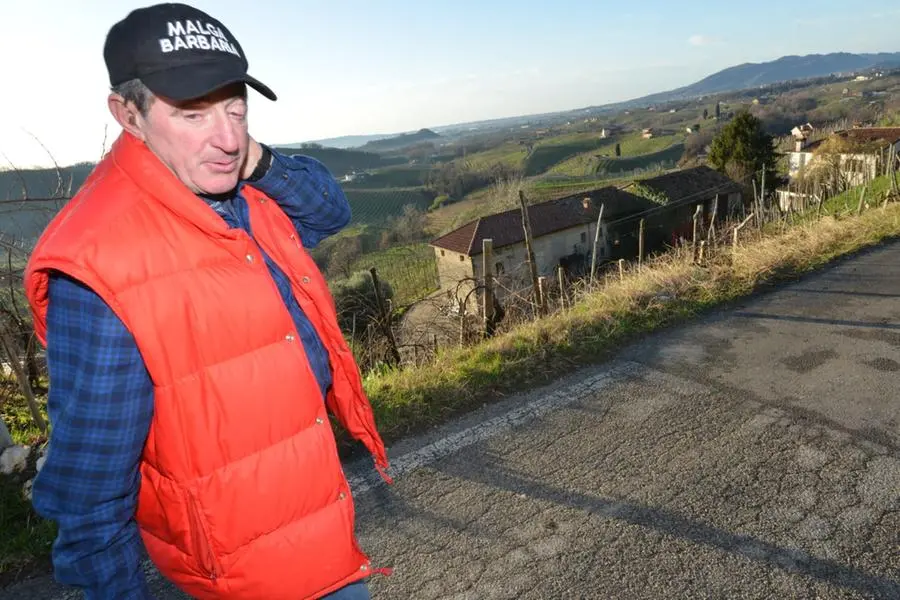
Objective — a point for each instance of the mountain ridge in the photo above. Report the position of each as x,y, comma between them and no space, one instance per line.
790,67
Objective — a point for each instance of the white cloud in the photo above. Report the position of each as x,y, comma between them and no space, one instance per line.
703,40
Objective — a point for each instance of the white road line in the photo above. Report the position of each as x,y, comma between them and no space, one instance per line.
400,466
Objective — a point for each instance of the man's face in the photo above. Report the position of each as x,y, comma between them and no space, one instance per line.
204,141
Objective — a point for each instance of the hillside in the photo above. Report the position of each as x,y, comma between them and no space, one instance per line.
786,68
42,183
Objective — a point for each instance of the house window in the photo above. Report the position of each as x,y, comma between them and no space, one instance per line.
583,238
498,268
461,258
442,253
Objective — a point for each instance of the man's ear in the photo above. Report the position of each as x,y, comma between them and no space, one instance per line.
126,115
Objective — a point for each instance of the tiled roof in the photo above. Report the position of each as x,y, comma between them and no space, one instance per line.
890,135
505,228
693,182
862,135
458,240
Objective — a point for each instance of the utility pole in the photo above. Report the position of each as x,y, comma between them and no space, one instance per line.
487,251
529,249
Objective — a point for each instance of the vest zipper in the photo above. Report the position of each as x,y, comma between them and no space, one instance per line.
203,552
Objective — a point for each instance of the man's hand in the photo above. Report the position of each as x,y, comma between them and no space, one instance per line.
254,153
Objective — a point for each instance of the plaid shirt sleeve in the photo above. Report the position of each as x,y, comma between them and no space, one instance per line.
308,194
100,406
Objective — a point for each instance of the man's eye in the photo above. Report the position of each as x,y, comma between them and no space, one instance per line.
193,116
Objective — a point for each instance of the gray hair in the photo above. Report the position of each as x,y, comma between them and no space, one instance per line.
135,91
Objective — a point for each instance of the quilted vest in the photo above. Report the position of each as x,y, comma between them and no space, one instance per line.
242,493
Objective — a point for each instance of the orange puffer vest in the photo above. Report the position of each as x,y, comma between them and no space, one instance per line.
242,493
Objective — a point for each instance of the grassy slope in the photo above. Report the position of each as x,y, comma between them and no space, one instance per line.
667,157
559,148
510,154
633,145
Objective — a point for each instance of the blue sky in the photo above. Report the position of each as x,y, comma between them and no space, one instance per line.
354,67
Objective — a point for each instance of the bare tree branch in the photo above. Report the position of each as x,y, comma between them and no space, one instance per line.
59,181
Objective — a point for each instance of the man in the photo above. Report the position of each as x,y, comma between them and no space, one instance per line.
192,344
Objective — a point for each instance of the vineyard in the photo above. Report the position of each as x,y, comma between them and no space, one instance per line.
393,177
377,206
410,270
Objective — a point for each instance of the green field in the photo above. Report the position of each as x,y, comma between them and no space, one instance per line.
588,163
628,164
560,148
410,270
510,154
374,206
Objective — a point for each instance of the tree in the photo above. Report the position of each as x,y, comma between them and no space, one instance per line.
743,149
718,109
343,253
405,228
705,114
618,150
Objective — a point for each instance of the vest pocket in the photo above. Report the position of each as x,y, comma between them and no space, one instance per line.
200,544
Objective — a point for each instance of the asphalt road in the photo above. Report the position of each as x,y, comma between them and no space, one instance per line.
752,454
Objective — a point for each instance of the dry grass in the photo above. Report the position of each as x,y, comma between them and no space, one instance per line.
667,290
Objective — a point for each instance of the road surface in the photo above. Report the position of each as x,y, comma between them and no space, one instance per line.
754,453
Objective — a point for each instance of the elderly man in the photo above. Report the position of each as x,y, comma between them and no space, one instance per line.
192,344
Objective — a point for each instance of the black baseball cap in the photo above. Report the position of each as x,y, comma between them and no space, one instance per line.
177,51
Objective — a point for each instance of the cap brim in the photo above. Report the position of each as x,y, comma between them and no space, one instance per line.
195,81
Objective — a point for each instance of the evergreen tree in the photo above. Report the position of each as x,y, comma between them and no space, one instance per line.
742,150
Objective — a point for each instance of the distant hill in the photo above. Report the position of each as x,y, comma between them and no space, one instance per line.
341,162
43,183
401,141
786,68
343,142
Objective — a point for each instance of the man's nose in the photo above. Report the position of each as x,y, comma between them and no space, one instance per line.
227,133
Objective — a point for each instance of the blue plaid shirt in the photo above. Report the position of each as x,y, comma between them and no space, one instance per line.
101,397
